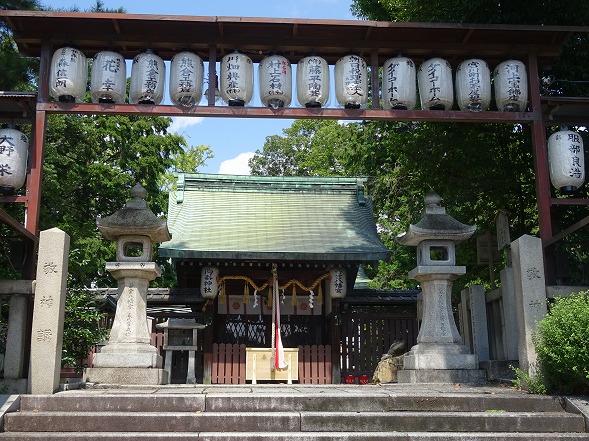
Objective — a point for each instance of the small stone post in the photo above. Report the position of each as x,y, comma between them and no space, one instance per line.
129,357
15,337
48,313
478,315
439,355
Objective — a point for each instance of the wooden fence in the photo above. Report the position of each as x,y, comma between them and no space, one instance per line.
315,364
228,365
366,337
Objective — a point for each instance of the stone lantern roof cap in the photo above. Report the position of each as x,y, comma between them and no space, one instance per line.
134,219
435,224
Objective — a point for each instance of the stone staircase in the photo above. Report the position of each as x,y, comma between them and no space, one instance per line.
294,413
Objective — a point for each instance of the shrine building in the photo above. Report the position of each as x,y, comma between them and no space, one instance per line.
236,238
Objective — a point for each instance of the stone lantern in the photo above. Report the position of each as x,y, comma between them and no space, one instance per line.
439,355
129,357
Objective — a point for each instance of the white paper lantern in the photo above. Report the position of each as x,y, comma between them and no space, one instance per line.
399,84
275,75
473,85
108,81
436,90
14,150
337,283
69,75
209,282
566,160
312,81
237,79
148,74
186,79
351,82
511,86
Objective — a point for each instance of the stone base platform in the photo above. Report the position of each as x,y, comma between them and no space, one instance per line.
124,375
464,376
500,370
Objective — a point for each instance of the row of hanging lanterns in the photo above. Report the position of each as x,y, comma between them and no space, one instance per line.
401,79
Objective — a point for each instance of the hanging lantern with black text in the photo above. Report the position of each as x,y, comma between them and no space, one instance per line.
14,150
69,75
312,81
566,160
237,79
275,75
209,282
186,79
108,81
473,85
399,84
511,86
337,283
351,82
436,90
148,74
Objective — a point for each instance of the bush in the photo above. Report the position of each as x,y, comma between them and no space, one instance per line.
562,345
81,329
533,384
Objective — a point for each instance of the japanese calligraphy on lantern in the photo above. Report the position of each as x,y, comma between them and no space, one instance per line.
566,160
337,284
312,81
209,284
69,75
275,81
237,79
108,82
399,90
436,90
147,79
351,82
511,86
473,85
186,78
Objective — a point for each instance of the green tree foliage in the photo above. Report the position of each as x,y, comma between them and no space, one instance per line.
82,328
186,161
562,345
307,148
91,163
476,168
18,72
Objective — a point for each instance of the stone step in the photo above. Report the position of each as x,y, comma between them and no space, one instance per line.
288,436
270,402
114,402
303,421
394,402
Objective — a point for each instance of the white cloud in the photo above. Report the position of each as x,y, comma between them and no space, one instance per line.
237,165
183,122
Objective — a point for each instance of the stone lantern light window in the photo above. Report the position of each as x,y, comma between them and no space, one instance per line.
436,252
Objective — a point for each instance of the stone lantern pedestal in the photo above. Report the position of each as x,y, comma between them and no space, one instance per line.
129,357
439,355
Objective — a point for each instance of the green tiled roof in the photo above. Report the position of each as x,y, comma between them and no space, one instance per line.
278,218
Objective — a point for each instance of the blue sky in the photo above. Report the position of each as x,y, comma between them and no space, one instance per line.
233,140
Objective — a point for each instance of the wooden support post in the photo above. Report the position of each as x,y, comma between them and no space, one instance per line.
541,167
212,74
374,68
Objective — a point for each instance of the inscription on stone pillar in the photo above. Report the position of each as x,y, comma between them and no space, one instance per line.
49,306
